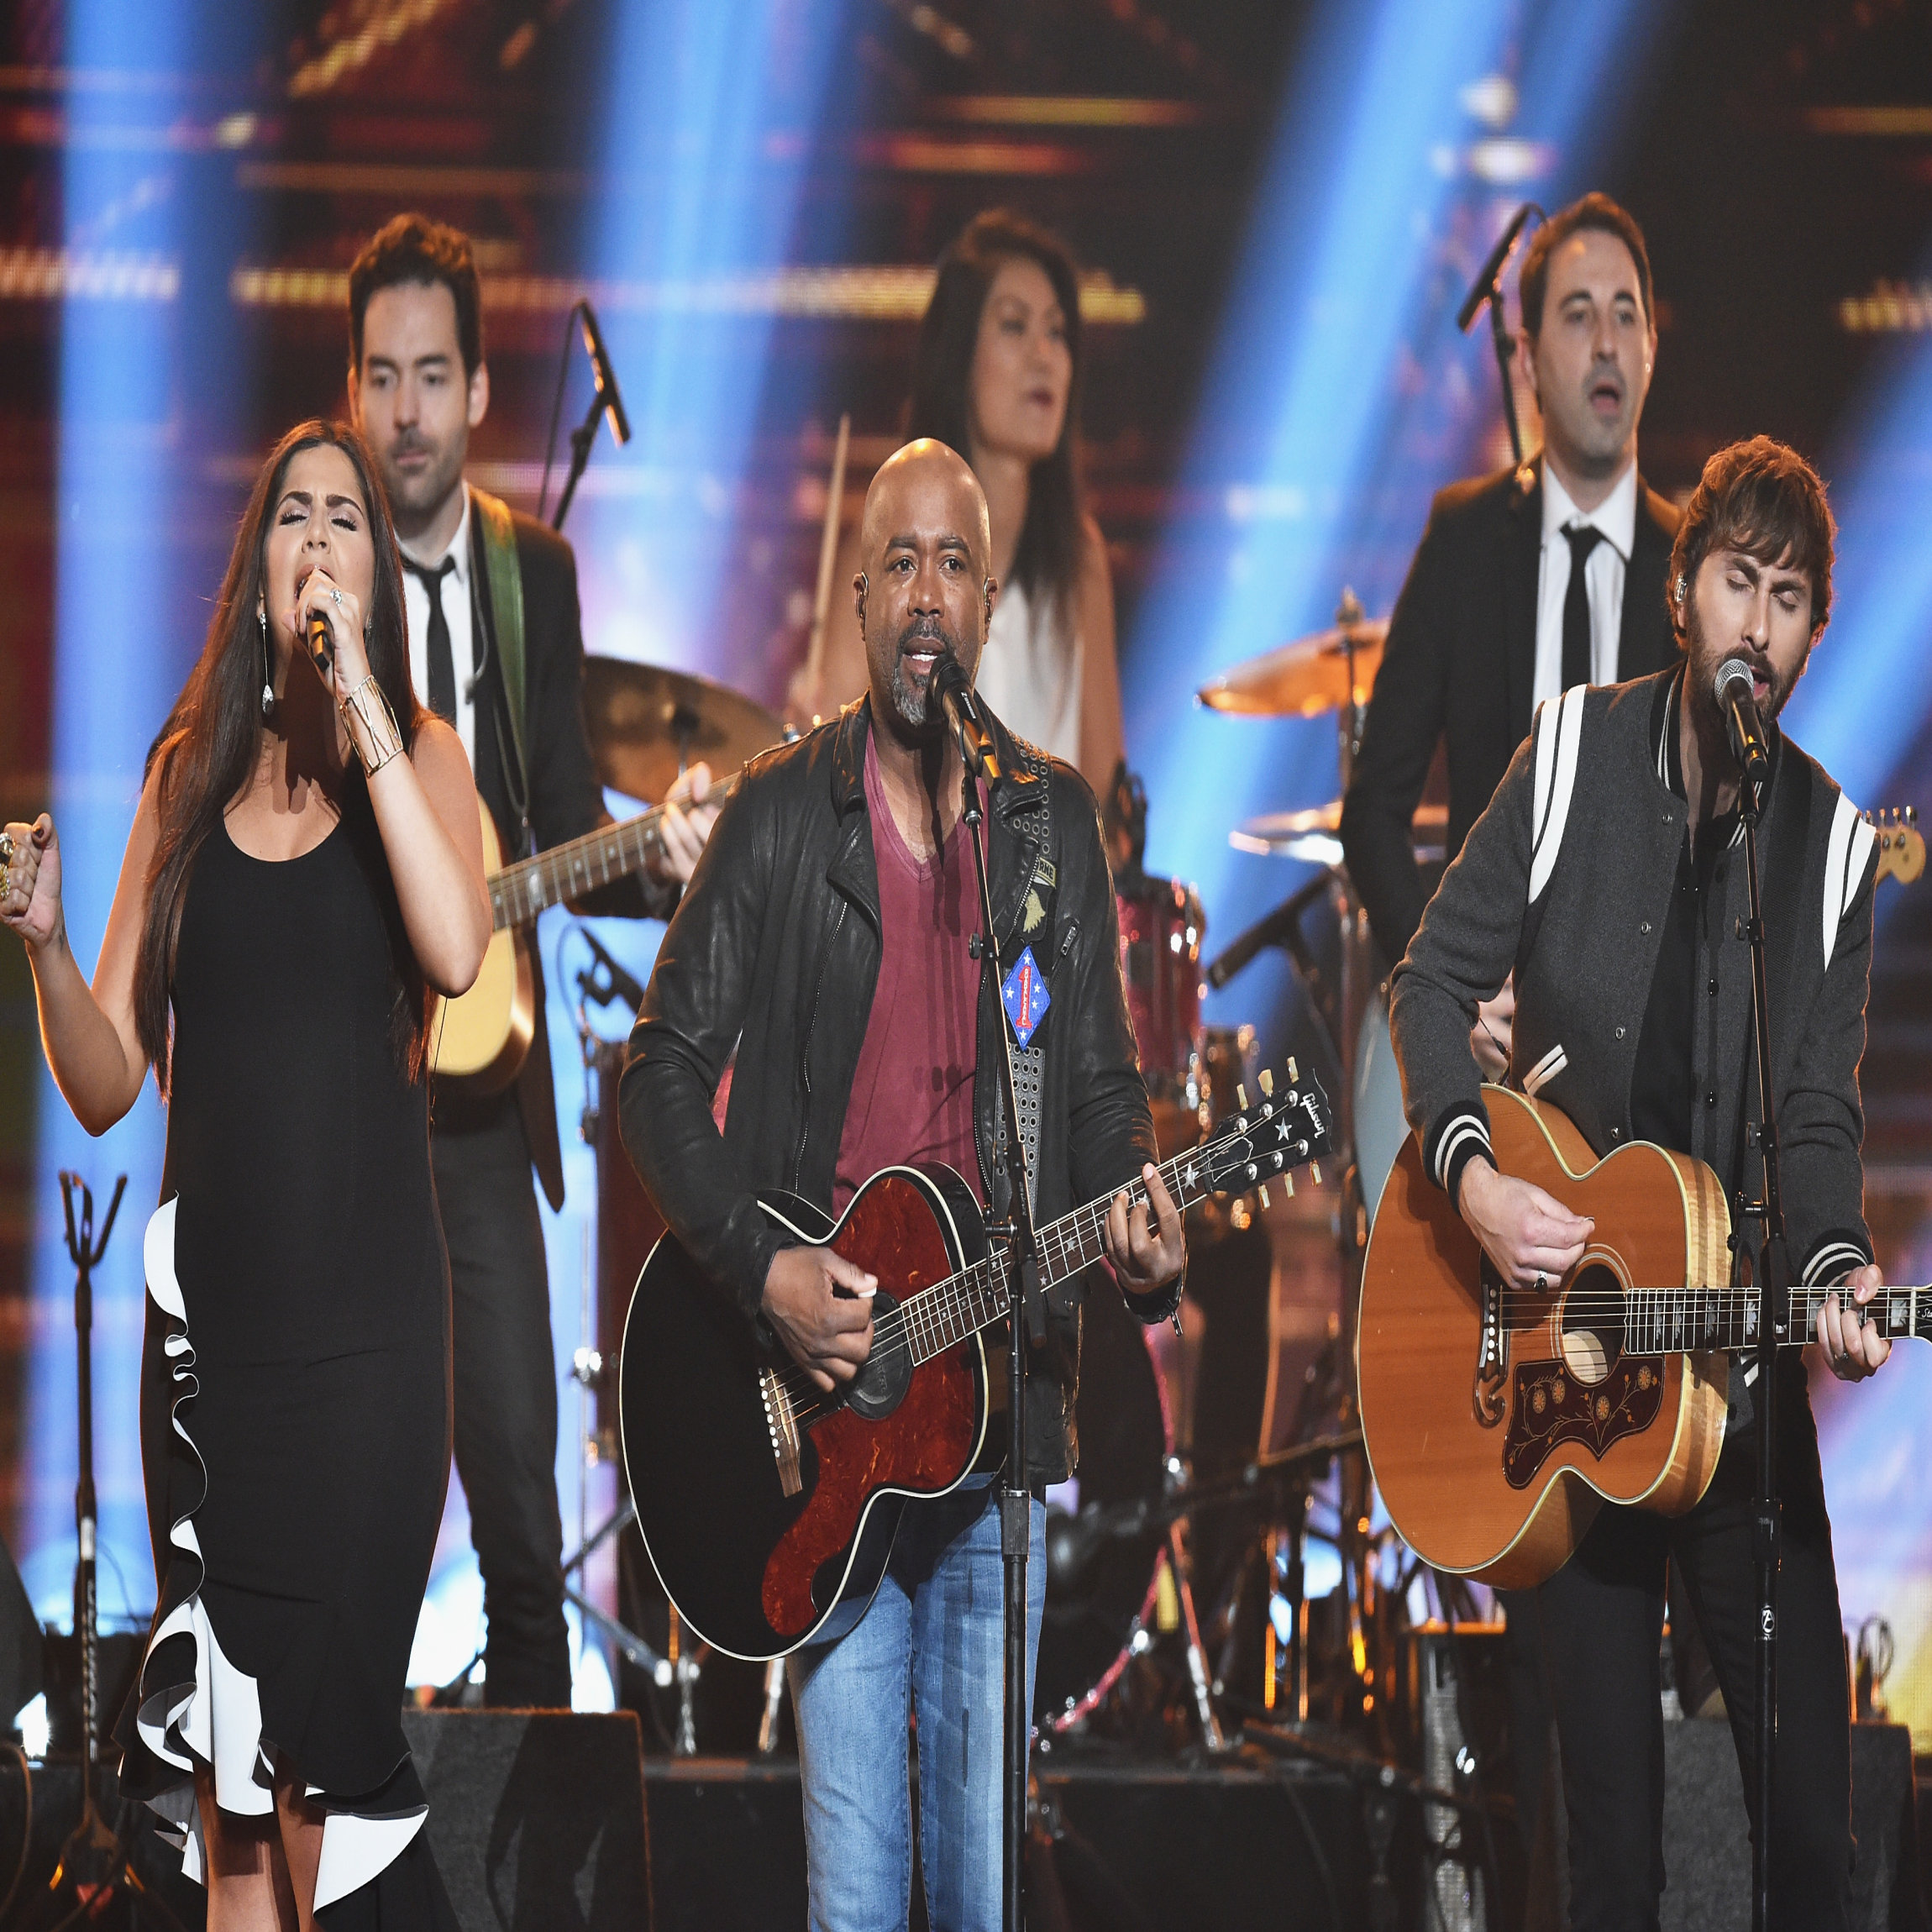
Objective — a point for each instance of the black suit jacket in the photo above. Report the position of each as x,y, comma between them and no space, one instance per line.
1460,668
564,797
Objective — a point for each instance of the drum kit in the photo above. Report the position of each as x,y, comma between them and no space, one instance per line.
1177,1491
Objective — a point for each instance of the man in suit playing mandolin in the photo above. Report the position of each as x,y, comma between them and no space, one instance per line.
1608,872
418,385
832,933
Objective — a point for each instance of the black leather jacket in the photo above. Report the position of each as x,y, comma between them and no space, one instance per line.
775,951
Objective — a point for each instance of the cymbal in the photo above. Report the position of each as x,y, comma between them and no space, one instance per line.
647,721
1311,834
1302,678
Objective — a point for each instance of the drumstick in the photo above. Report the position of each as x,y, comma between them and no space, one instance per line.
827,555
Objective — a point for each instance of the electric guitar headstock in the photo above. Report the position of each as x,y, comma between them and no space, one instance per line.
1901,844
1286,1126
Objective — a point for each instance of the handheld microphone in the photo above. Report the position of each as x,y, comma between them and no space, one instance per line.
1484,285
607,377
949,684
321,641
1737,693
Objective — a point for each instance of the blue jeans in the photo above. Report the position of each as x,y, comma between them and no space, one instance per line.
932,1642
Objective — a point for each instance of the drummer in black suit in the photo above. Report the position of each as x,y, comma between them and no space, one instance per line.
1526,582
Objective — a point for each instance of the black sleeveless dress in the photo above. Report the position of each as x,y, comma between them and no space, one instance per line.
295,1422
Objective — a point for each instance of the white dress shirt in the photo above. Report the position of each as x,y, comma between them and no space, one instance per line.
1616,518
456,611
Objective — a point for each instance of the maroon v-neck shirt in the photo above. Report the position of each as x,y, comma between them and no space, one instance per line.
912,1096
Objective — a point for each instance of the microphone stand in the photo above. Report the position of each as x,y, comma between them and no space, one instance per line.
1026,1320
1773,1324
1488,289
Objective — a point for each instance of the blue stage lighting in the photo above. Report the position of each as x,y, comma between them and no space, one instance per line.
1865,699
714,109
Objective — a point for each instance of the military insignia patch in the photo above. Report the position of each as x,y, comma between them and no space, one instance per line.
1025,996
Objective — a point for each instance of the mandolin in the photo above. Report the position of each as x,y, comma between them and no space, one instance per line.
1498,1421
769,1509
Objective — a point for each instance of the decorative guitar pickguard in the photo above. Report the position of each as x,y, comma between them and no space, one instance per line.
1552,1408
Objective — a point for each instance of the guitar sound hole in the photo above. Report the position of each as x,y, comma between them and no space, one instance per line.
1593,1324
879,1387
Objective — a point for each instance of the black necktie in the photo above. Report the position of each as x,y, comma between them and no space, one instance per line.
442,663
1583,538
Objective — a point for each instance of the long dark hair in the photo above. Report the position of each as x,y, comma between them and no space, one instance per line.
1047,559
212,741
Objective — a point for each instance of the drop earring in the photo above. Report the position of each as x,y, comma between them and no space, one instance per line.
267,668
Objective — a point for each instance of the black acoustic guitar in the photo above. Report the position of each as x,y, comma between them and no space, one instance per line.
767,1508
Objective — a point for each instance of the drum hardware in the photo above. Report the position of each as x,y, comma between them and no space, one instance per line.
1313,835
1321,672
647,724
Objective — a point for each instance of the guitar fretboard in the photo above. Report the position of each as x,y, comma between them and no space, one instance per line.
1670,1320
520,891
947,1313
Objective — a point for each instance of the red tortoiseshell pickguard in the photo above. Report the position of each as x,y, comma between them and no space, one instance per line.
923,1446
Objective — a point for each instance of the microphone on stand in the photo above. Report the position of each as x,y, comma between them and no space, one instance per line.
607,376
948,683
1491,272
1737,693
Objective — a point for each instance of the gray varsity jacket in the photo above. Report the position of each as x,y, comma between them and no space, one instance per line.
1567,879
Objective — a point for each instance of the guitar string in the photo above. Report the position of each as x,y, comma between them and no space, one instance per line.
923,1316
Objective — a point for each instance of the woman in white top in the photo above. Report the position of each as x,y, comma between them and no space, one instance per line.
997,375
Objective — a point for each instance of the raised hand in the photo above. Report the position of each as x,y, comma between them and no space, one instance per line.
30,880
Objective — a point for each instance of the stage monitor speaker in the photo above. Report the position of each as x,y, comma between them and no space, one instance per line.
537,1818
727,1843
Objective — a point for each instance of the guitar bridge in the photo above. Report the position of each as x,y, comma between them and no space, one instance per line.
783,1427
1487,1396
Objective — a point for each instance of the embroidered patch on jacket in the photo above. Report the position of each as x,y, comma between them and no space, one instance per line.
1032,913
1024,994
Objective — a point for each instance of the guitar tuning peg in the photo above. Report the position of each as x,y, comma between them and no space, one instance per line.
1267,1085
1293,1071
1241,1096
1315,1168
1261,1193
1288,1182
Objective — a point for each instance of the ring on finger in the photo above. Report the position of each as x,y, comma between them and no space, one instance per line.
335,598
1542,1284
6,848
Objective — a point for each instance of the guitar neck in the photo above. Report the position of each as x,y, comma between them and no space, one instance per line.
977,1297
1670,1320
519,892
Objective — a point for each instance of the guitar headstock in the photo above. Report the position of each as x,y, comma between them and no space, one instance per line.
1901,844
1288,1126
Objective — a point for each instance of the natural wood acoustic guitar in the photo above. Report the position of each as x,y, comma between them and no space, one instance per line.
1497,1420
480,1041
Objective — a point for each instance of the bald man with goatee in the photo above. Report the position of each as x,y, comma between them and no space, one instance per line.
829,935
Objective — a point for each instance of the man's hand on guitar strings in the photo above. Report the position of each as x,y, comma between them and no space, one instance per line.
690,813
1855,1349
1144,1258
1530,1235
820,1306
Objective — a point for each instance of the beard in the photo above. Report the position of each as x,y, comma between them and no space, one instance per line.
912,697
413,498
1700,679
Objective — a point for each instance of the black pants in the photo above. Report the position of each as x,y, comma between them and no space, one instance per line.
505,1390
1602,1617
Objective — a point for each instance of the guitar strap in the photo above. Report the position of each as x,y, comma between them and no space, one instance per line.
499,617
1029,1062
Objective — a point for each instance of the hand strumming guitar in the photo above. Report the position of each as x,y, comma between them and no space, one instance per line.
819,1305
1529,1234
691,810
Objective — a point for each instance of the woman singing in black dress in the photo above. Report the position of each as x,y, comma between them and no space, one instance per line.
305,869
